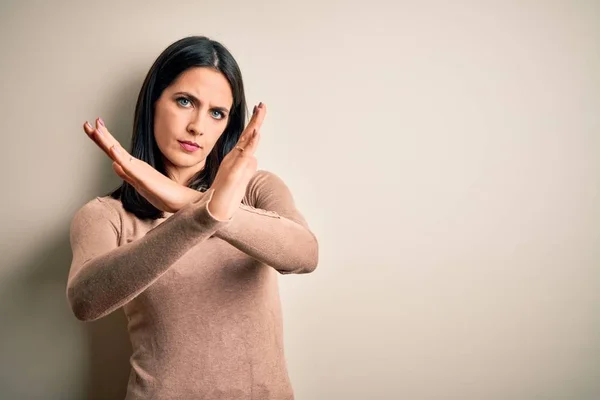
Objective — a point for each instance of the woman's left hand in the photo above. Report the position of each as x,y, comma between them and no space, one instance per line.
162,192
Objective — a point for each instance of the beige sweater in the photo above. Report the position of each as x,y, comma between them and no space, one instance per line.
201,295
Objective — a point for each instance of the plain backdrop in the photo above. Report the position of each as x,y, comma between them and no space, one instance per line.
446,154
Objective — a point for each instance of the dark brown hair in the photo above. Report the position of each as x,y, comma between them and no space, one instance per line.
189,52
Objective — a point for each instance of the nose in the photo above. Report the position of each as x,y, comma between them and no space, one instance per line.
196,124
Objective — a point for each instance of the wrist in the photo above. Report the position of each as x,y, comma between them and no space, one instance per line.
191,196
215,211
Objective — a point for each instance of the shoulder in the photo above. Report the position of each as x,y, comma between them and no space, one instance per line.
264,179
265,187
97,211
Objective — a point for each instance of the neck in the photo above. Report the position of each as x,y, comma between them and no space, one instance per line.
182,175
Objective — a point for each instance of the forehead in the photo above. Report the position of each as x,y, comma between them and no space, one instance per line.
206,84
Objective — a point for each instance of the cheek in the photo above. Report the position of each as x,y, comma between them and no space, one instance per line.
216,133
165,124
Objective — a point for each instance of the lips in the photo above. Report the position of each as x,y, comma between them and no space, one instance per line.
189,147
188,143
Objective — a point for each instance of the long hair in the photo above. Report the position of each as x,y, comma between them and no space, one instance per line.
189,52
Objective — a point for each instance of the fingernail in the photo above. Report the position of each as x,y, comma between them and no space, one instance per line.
100,121
254,133
87,125
99,131
260,105
116,149
254,111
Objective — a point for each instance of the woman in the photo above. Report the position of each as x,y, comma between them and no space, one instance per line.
191,243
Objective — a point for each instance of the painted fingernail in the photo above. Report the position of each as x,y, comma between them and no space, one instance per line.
260,104
254,111
101,121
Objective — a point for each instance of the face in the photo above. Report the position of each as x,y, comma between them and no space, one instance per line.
189,117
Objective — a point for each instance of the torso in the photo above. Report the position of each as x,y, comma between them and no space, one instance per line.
208,328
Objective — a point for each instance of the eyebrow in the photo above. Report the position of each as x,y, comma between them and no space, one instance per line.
197,101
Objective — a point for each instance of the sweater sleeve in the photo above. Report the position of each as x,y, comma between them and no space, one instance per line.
104,276
272,231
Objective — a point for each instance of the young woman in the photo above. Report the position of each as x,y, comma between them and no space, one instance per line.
191,244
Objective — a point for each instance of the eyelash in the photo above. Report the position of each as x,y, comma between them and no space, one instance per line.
188,100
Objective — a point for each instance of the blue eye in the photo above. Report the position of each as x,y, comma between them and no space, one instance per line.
221,116
186,103
184,99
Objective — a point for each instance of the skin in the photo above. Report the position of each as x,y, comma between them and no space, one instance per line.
194,108
198,121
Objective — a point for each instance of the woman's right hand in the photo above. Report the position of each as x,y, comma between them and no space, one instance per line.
236,169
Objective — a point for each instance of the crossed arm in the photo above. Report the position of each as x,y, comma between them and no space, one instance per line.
104,276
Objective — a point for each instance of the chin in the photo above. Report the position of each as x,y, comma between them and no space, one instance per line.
182,161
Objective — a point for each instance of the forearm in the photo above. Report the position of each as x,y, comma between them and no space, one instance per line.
288,246
108,281
274,233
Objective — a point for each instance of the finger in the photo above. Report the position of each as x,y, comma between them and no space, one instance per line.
130,165
92,134
101,136
134,168
252,144
258,112
121,173
255,122
258,117
122,157
109,139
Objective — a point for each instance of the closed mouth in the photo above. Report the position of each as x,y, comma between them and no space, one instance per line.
189,143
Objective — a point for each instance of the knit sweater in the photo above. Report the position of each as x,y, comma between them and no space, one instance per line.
200,294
